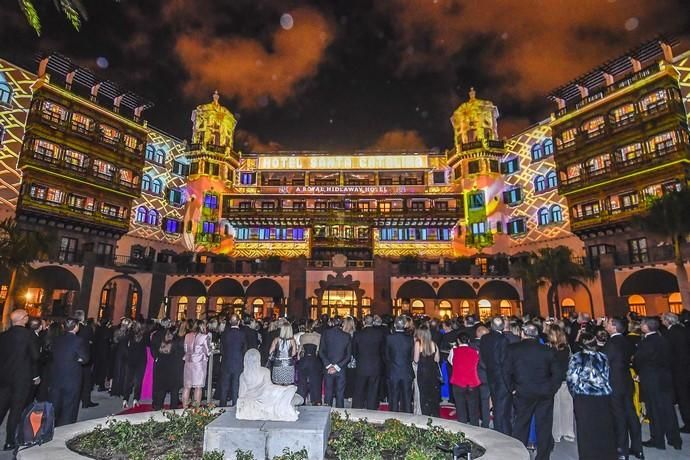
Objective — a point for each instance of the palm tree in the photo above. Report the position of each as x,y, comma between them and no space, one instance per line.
555,266
669,217
73,10
18,249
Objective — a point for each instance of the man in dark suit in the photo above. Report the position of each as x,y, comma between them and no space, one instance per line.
335,351
484,393
533,377
619,352
678,337
398,355
19,355
86,332
652,361
250,333
492,351
70,352
233,345
367,348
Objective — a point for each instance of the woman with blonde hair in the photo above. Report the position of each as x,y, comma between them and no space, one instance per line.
197,348
282,354
563,427
428,385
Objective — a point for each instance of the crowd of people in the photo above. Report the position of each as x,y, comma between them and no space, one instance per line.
538,380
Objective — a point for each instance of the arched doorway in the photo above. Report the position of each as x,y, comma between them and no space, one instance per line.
50,290
258,308
637,304
180,292
120,298
484,309
182,305
445,309
465,308
271,294
652,285
675,304
417,307
567,307
201,307
238,307
413,290
504,294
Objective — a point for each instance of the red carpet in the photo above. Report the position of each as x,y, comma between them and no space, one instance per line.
447,411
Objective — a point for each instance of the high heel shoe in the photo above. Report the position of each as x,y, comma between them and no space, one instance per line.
135,403
124,404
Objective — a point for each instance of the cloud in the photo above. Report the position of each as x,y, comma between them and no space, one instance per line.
250,142
399,140
250,71
528,46
512,125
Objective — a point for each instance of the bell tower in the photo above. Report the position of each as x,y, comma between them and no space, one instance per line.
476,166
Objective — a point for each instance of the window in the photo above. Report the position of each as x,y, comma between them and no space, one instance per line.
484,309
556,213
513,196
267,205
473,167
212,169
543,216
439,177
81,202
548,147
200,307
551,180
45,150
38,192
418,205
441,205
662,143
478,228
598,164
141,214
594,126
157,187
506,308
264,233
516,227
54,112
567,138
103,169
109,134
258,308
112,210
159,157
180,168
637,304
567,307
247,178
298,234
2,134
182,304
445,308
211,201
242,234
537,152
55,195
173,226
5,91
629,200
281,234
104,249
494,166
623,115
245,205
654,101
175,196
149,153
539,184
75,160
128,178
130,142
385,206
81,123
476,200
637,248
68,249
208,227
146,183
630,153
675,304
511,166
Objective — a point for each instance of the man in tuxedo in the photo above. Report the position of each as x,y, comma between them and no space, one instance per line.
484,393
652,361
619,352
250,333
367,348
678,337
398,353
233,345
70,352
533,377
86,332
335,351
19,355
492,351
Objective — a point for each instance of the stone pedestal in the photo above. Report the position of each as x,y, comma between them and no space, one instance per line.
268,439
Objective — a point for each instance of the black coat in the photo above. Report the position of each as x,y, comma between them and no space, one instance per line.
251,336
492,350
399,354
532,369
70,352
619,352
19,355
679,340
367,348
652,361
233,345
335,347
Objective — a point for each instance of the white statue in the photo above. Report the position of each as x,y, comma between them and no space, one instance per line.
259,398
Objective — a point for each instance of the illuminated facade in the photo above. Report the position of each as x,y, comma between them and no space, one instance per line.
192,227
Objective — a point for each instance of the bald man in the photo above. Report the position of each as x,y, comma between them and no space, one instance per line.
19,354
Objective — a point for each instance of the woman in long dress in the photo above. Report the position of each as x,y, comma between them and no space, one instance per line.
426,357
588,382
136,364
563,418
284,350
197,348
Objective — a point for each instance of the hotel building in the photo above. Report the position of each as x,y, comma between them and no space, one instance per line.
153,225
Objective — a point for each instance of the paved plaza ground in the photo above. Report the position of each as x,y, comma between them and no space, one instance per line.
563,451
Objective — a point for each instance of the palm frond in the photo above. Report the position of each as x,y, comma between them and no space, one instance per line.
29,11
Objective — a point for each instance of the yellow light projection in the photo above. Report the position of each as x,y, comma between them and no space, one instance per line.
344,162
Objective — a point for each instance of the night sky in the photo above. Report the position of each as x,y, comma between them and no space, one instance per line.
343,74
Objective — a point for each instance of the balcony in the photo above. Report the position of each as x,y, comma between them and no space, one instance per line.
479,240
91,133
483,143
208,147
333,213
619,169
54,163
89,217
606,217
323,241
351,264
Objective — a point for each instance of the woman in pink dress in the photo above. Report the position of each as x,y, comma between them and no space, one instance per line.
197,348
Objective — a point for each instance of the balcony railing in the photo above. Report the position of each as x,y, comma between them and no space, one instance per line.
83,215
356,213
483,143
662,154
312,263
